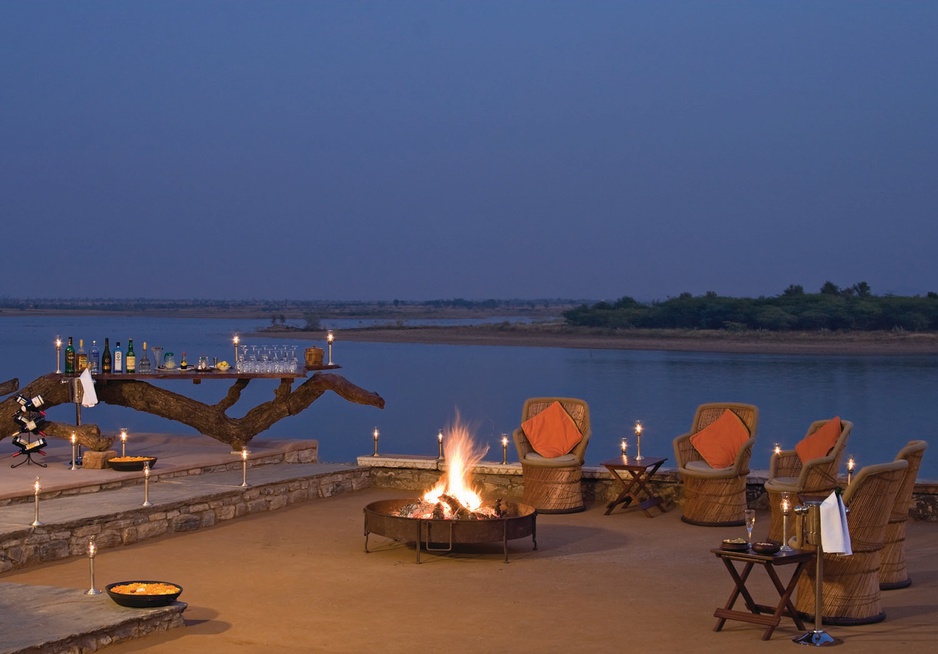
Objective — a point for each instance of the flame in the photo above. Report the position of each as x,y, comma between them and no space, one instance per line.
461,454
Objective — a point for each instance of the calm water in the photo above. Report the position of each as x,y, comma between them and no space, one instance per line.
889,399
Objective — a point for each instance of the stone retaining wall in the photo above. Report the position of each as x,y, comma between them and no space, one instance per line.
32,545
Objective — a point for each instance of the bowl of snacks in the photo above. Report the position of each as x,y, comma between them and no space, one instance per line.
130,463
143,594
735,544
766,547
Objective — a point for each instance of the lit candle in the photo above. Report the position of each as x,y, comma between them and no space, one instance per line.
244,467
625,447
330,336
146,484
236,340
92,547
123,442
638,437
92,550
440,439
376,442
58,355
36,487
851,464
778,449
504,449
74,456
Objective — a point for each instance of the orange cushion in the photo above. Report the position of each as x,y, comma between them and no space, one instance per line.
719,442
821,442
552,432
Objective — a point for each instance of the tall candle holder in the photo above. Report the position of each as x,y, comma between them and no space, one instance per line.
235,341
375,434
439,438
624,446
58,355
146,484
244,467
851,464
74,451
786,511
36,488
123,443
638,438
504,449
330,336
92,551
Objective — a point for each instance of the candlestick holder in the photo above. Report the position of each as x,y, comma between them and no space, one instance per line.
504,449
58,355
74,452
235,341
638,438
330,336
244,467
375,434
36,488
624,446
786,511
92,551
440,439
146,484
123,442
851,464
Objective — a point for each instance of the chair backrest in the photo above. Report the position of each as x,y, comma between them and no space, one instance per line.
710,412
578,409
869,499
912,453
821,473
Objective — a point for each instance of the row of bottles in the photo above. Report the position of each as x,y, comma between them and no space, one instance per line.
106,362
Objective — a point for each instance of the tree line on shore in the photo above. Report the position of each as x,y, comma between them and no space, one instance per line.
832,308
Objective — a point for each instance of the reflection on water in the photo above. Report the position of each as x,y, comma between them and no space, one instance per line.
887,398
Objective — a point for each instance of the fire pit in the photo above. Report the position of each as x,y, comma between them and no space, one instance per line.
452,512
443,534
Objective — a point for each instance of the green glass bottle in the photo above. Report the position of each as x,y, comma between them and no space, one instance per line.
130,360
69,358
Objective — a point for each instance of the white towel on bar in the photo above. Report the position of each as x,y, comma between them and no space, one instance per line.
88,396
835,535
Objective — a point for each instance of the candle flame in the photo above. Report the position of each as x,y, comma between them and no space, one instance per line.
638,427
146,469
74,438
244,454
851,464
236,339
36,485
330,336
376,433
92,547
124,435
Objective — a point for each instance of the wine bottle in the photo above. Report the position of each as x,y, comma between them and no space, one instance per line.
106,359
95,357
144,363
131,358
118,359
81,356
69,358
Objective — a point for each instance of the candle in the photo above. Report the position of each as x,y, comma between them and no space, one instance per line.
330,336
123,442
376,442
244,467
625,447
504,449
638,437
74,456
778,449
236,340
146,484
58,355
92,550
440,439
851,464
36,487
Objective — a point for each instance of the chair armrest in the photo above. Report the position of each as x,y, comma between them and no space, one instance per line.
786,463
521,443
741,464
580,450
684,451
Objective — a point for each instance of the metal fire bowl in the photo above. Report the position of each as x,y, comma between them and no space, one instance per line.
443,535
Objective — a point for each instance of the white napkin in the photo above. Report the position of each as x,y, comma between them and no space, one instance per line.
835,536
89,397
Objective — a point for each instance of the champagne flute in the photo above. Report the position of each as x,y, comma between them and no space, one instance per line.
750,523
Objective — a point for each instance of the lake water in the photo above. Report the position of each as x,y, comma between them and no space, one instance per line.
889,399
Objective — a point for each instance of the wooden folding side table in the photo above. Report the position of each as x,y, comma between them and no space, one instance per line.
633,475
769,616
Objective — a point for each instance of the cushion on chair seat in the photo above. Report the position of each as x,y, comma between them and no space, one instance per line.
552,432
703,466
719,442
557,461
820,442
782,484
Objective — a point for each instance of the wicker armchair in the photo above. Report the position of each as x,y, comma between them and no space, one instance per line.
715,497
892,572
850,590
552,485
815,477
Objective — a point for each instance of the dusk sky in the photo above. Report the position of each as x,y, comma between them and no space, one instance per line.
430,150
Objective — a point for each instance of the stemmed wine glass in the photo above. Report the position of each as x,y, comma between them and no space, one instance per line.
750,523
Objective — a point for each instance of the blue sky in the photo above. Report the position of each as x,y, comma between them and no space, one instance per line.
423,150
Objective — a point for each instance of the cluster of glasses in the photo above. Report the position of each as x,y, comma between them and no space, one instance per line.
267,358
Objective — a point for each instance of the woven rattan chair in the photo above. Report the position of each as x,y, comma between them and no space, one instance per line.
552,485
892,572
715,497
815,477
850,589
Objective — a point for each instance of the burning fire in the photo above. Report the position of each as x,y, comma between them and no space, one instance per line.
453,497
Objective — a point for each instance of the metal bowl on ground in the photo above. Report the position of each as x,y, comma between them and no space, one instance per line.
142,600
131,464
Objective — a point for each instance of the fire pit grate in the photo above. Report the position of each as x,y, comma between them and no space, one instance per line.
442,535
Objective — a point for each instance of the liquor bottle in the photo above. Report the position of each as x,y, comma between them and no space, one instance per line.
118,359
131,358
95,357
69,358
143,365
81,356
106,359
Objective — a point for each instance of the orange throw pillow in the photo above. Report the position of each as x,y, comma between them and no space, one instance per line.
821,442
552,432
719,442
